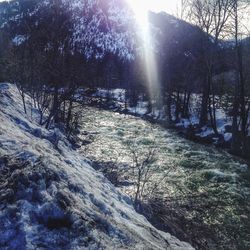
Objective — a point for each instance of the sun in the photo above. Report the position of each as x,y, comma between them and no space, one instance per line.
142,7
140,10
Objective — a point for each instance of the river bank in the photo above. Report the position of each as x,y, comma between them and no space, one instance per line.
206,191
189,128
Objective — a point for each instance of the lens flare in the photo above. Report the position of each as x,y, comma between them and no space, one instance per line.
141,11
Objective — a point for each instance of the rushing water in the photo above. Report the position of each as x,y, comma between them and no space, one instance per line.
211,189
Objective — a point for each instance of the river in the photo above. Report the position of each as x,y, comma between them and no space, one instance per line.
206,190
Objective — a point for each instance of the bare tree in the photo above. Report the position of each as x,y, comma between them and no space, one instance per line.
241,105
144,171
211,16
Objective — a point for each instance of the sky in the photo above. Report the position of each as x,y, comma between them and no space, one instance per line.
141,7
169,6
157,5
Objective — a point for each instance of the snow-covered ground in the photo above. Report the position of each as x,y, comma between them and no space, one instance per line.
51,198
118,95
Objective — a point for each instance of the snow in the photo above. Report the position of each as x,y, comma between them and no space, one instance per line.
116,94
19,39
193,120
141,109
206,131
98,28
51,198
227,137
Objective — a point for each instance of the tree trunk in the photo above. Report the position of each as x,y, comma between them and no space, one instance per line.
177,107
24,104
204,106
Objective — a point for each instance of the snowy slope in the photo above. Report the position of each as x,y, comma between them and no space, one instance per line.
102,26
95,27
51,198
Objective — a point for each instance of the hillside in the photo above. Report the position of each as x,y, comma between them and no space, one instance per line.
51,198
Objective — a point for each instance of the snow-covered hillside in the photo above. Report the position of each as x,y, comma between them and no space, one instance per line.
51,198
95,27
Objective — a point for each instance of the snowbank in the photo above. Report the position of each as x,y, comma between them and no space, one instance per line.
188,126
51,198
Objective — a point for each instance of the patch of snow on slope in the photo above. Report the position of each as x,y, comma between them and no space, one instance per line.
51,198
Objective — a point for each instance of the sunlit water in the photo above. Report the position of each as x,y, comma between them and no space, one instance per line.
220,181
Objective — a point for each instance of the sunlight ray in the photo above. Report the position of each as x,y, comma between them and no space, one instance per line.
141,10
